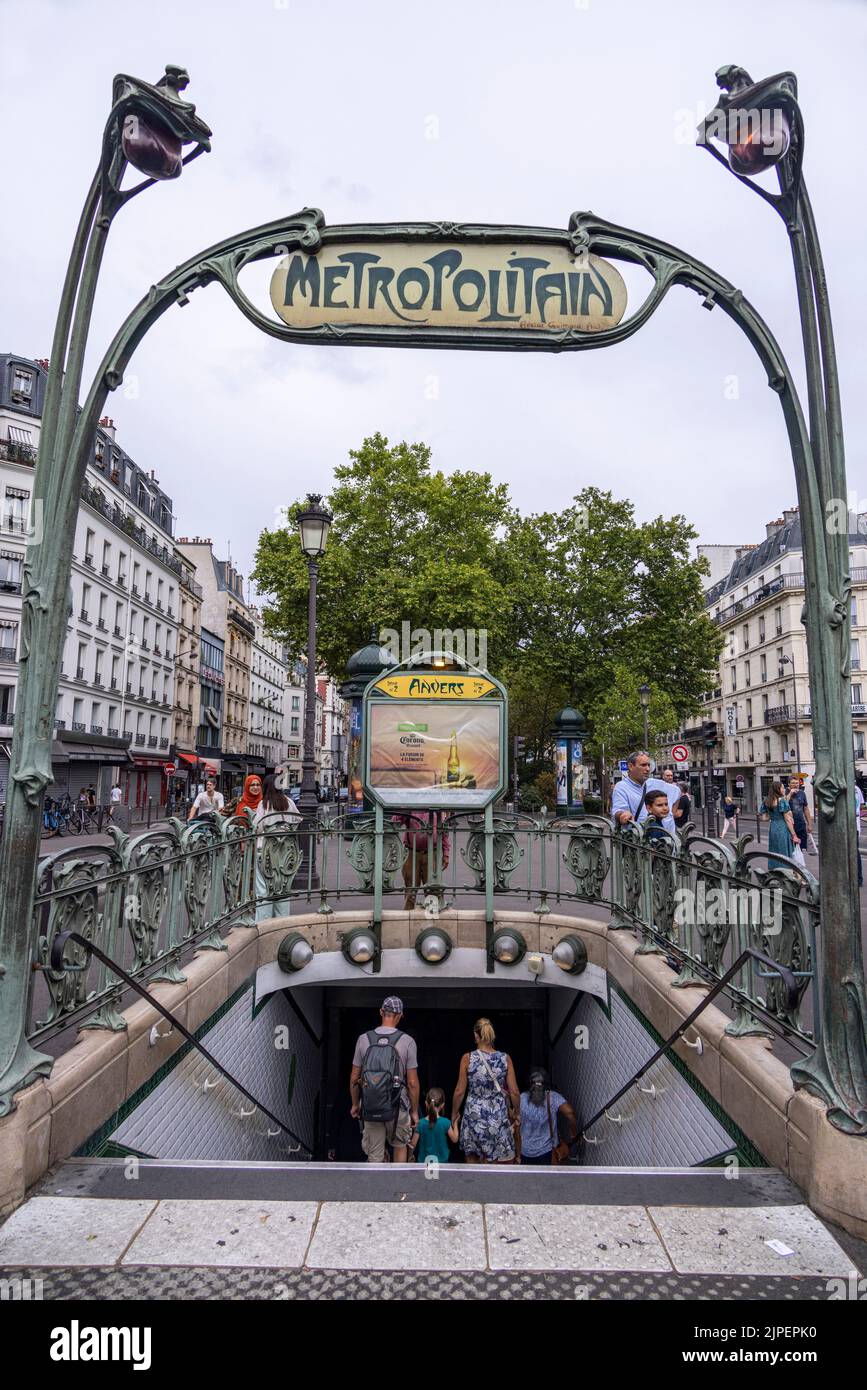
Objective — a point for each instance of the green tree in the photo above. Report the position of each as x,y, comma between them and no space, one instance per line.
407,545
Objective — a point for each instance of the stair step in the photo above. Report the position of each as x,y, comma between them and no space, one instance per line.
323,1182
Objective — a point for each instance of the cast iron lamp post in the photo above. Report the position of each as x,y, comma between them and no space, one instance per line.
762,126
314,523
790,661
644,697
147,128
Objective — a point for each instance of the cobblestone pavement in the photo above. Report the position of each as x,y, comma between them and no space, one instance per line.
235,1285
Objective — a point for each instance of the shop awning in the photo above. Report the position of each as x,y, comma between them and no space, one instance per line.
189,758
5,751
90,753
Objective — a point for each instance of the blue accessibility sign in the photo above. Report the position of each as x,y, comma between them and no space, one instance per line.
623,764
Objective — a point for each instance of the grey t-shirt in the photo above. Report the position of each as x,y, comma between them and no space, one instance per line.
405,1048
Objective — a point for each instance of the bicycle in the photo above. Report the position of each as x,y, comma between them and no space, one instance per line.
52,821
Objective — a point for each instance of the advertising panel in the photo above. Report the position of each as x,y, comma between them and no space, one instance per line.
434,755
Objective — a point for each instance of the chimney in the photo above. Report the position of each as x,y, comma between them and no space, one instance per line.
42,362
108,425
773,527
790,514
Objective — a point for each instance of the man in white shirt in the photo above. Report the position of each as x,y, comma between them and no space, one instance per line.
627,800
208,800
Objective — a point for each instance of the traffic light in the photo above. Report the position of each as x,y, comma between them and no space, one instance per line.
709,733
519,746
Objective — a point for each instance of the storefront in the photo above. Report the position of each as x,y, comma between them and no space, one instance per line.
79,761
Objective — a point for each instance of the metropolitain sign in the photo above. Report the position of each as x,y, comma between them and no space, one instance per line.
479,285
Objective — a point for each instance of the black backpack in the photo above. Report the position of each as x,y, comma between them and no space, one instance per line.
381,1082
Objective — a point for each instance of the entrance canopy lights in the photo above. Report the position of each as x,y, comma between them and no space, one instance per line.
433,945
570,954
508,946
755,120
294,953
360,946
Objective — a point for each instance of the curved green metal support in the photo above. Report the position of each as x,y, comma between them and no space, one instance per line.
839,1071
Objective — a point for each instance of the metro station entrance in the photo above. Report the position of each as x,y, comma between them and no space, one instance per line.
440,1019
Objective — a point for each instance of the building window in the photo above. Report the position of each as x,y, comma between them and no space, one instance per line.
11,570
859,744
737,755
855,658
747,674
778,621
761,629
856,693
767,750
733,677
749,714
8,639
22,385
16,505
751,756
853,611
763,668
746,635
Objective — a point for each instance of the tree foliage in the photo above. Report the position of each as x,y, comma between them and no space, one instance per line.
580,606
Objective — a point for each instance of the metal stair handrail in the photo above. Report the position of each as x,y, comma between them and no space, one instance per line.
788,979
58,964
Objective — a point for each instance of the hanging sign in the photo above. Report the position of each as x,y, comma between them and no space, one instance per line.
434,741
479,284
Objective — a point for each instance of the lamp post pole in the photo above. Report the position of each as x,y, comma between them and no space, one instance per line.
644,697
147,127
762,125
314,522
790,661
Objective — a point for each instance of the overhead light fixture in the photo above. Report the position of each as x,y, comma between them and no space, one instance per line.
294,952
433,945
360,946
570,954
508,946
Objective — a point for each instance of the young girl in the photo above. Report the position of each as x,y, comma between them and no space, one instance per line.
429,1140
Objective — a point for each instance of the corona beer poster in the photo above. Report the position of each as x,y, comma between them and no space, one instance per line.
434,755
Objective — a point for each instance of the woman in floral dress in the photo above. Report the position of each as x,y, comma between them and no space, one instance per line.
487,1079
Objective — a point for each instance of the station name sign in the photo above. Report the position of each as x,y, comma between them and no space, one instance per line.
428,687
474,285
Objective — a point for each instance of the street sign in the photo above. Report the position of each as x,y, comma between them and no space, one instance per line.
680,753
169,769
731,720
623,765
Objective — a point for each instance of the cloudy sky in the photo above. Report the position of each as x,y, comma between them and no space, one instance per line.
494,111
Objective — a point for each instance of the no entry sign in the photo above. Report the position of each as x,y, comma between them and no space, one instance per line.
680,753
169,769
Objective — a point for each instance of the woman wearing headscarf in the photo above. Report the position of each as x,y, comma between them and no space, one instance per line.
275,814
251,797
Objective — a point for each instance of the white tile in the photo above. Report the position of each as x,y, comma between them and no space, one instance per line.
731,1240
71,1230
395,1235
269,1235
573,1237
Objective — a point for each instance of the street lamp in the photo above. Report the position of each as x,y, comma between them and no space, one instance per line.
790,661
314,523
762,127
644,697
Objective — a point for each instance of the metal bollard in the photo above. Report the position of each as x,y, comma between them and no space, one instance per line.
150,799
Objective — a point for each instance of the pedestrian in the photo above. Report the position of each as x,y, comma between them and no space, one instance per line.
731,811
627,799
115,798
384,1086
491,1122
208,802
859,802
251,797
420,836
775,808
682,809
802,816
279,814
668,775
657,805
542,1112
431,1136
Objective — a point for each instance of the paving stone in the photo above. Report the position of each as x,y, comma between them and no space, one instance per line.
389,1235
71,1231
578,1238
732,1240
258,1234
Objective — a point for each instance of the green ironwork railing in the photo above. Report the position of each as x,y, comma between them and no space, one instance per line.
146,901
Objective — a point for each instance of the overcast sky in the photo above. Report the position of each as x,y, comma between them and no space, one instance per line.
538,109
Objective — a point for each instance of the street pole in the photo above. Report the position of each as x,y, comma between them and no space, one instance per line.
147,127
308,803
764,129
790,661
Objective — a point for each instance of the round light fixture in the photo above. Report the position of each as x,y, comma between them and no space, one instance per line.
294,952
508,946
570,954
433,945
360,946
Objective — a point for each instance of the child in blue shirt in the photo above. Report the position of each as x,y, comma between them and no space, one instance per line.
432,1133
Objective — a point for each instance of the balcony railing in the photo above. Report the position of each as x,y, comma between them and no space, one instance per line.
7,653
664,891
7,718
13,452
774,586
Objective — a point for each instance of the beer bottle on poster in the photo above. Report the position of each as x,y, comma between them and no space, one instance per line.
453,766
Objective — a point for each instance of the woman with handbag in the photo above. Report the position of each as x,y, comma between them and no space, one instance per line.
542,1113
490,1128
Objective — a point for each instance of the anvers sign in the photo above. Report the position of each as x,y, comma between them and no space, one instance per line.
476,285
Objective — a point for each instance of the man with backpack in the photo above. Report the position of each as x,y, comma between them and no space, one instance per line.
384,1086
